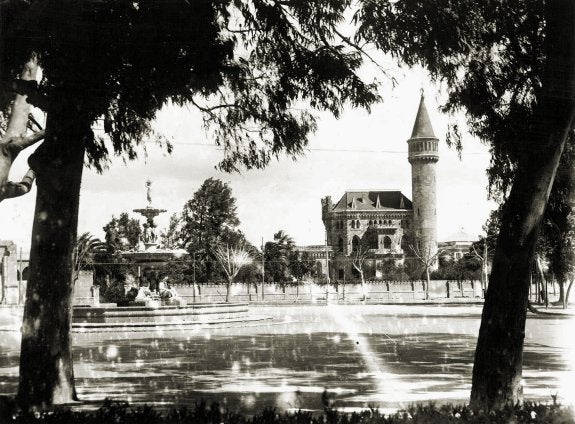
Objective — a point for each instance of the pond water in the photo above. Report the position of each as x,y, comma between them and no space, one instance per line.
386,356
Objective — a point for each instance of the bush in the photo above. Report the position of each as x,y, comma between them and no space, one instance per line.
121,412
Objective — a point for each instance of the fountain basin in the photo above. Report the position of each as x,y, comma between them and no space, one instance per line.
148,317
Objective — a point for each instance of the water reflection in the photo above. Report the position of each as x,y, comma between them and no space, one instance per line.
362,358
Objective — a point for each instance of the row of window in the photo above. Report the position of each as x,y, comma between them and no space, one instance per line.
423,146
355,223
373,243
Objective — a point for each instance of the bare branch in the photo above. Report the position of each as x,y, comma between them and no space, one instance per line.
33,120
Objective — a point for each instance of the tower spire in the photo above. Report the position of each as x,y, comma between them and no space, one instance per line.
423,154
422,127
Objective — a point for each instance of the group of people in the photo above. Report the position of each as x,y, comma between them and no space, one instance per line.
165,291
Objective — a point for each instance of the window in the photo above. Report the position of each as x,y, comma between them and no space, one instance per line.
340,244
341,274
355,243
386,242
373,241
352,224
357,224
404,244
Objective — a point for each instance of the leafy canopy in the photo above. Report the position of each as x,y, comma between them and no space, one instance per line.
490,56
248,65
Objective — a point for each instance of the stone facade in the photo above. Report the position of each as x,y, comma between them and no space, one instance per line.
10,285
385,223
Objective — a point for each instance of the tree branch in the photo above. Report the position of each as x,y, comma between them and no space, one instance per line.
34,96
16,144
12,189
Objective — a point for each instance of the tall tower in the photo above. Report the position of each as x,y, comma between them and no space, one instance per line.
423,155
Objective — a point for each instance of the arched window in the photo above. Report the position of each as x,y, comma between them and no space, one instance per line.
355,243
340,244
373,241
380,222
404,243
386,242
25,274
370,222
357,224
352,224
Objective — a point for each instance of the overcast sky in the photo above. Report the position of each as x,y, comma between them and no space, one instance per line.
360,151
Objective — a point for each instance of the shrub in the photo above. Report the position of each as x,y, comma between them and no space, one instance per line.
121,412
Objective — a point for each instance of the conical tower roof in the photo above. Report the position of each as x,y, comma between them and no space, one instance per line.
422,127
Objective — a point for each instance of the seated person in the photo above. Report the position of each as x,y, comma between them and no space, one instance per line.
143,294
165,290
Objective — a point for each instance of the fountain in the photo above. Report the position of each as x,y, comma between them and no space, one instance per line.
148,309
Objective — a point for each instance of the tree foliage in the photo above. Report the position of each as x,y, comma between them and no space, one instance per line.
208,220
244,64
86,253
277,255
122,233
490,56
302,266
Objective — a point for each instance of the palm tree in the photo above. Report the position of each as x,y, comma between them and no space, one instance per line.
85,251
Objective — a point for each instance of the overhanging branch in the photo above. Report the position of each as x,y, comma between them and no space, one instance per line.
12,189
17,144
30,89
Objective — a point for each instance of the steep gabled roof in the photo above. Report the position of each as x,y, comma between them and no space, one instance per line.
373,200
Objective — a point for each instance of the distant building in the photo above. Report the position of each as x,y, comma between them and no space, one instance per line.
386,221
456,245
318,254
13,273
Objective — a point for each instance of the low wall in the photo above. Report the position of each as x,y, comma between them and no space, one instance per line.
375,292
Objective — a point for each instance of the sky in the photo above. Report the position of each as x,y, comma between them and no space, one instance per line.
359,151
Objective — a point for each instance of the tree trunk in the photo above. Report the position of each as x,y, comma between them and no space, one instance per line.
46,368
228,289
561,300
543,281
427,281
363,286
566,300
497,370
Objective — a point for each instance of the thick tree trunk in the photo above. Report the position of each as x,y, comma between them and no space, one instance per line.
497,371
46,369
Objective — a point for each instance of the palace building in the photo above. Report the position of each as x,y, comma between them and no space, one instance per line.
385,225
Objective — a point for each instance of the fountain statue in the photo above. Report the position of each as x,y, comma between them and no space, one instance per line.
149,212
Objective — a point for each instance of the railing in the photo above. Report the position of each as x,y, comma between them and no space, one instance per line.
375,291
